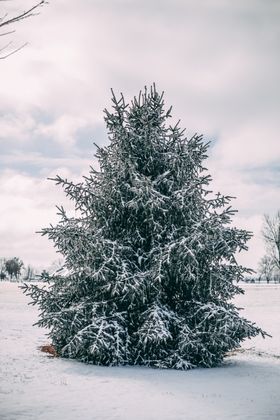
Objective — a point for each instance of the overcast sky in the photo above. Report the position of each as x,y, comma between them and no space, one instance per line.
217,61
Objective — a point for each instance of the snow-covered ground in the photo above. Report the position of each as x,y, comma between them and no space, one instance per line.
35,386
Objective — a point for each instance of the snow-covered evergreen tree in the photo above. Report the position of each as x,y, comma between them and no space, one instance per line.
150,260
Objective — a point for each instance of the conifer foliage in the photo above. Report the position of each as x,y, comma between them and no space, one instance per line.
150,258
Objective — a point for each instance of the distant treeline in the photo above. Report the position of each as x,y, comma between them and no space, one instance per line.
274,279
13,269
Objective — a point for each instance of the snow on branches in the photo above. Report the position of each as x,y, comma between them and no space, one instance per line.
150,260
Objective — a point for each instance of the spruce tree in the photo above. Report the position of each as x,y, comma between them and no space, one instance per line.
150,259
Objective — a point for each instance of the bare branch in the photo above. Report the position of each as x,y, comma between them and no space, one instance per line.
4,21
23,15
2,57
271,235
7,33
5,46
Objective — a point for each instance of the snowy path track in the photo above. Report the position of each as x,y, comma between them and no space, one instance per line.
35,386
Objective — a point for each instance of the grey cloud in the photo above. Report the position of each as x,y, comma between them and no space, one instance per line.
218,62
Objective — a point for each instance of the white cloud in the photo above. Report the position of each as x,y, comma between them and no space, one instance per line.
28,205
218,61
16,127
252,199
254,144
63,129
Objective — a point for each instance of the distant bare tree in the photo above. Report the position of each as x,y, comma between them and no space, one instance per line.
3,273
266,268
271,234
29,273
6,22
13,267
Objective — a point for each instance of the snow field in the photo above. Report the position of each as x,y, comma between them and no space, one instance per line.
38,387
